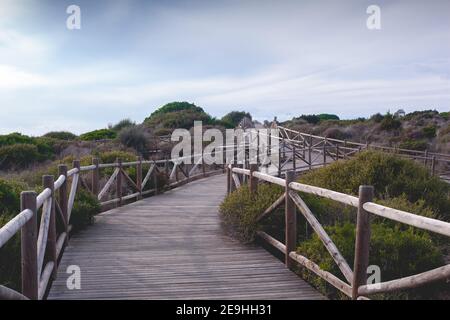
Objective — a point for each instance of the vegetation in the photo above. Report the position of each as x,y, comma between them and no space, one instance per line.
122,124
61,135
398,253
232,119
178,115
100,134
397,249
135,137
18,156
389,122
420,145
391,177
86,206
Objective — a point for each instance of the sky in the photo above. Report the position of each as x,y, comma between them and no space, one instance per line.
271,58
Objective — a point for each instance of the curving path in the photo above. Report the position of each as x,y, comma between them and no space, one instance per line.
171,246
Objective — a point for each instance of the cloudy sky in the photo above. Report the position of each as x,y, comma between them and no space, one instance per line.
282,58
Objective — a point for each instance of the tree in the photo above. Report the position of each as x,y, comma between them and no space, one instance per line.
233,118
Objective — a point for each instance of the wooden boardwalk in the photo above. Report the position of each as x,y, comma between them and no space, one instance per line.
172,246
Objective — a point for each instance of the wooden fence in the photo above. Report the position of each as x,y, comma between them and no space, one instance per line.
307,148
43,245
354,285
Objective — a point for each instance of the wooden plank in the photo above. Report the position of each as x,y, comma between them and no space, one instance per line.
172,246
323,236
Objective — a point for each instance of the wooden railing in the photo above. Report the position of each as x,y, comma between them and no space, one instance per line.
307,149
355,284
42,246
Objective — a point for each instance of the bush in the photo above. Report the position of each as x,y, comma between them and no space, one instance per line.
420,145
10,252
136,138
163,132
178,115
61,135
18,156
232,119
85,207
336,133
391,177
389,123
101,134
125,123
397,253
239,210
429,132
14,138
377,117
327,116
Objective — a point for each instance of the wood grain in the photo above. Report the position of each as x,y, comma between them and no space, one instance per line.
172,246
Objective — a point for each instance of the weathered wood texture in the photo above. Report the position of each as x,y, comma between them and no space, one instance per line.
172,246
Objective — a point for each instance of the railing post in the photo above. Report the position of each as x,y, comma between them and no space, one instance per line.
290,221
29,247
95,176
203,162
257,147
309,152
433,165
166,168
253,182
426,157
337,152
155,177
232,185
139,177
324,152
345,150
119,182
49,182
279,160
293,158
62,170
228,179
362,241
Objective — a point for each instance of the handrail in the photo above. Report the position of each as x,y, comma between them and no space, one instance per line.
43,249
356,287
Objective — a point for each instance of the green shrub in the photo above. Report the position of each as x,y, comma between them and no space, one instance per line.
377,117
125,123
135,137
239,210
101,134
163,132
420,145
18,156
14,138
232,119
390,175
397,253
61,135
19,151
429,132
10,252
389,122
10,263
85,207
327,116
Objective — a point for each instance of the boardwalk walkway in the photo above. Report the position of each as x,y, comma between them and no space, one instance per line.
171,246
